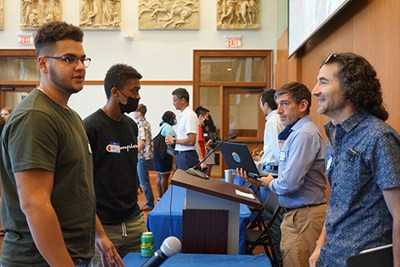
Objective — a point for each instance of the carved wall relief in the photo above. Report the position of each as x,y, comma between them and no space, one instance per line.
100,14
1,14
238,14
168,14
36,12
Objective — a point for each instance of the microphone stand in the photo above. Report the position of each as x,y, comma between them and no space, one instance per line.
195,172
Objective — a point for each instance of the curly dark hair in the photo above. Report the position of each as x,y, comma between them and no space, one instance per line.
360,84
50,33
117,76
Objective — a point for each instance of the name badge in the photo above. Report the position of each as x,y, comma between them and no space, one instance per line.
282,156
329,162
89,147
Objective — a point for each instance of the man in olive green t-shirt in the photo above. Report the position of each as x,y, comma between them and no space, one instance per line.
46,164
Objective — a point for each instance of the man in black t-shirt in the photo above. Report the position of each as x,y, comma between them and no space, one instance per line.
113,140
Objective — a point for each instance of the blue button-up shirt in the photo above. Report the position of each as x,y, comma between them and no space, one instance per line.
362,159
301,180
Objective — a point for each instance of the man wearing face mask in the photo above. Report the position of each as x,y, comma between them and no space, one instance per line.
113,140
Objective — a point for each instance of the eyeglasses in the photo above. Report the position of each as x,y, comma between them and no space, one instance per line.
72,60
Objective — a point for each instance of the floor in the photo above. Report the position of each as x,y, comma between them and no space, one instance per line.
142,201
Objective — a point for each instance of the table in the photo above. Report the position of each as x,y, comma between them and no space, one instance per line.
166,218
200,260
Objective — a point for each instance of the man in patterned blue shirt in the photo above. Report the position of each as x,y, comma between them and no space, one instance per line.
362,163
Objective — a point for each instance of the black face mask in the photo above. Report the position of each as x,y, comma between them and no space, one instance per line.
130,106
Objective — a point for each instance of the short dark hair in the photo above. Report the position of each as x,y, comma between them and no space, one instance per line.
49,33
297,91
181,93
118,75
168,117
200,110
359,82
268,96
142,109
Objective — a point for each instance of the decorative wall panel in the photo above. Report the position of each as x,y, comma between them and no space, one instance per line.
168,14
36,12
238,14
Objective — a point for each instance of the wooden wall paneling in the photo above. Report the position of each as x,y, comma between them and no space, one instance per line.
377,37
366,27
281,62
381,32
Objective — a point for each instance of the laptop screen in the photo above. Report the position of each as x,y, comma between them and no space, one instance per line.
237,155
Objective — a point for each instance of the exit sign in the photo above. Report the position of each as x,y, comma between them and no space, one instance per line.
233,40
25,39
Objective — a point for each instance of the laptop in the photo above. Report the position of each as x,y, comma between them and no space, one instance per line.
237,155
376,257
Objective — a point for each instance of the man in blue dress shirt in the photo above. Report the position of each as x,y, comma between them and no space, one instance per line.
301,182
362,162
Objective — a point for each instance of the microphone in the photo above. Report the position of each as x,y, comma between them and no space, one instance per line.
169,247
193,171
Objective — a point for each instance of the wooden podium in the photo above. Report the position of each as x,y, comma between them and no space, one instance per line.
211,216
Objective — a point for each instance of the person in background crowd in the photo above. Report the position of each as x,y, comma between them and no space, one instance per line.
163,166
270,158
145,149
272,146
202,115
301,182
46,164
2,123
186,136
112,136
362,162
211,136
5,112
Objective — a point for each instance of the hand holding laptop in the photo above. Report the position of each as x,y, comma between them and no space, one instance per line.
261,181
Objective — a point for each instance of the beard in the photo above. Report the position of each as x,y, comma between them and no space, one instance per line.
66,87
334,106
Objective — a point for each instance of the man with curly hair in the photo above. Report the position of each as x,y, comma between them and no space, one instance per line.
362,162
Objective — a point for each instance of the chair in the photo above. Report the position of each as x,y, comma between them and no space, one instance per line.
259,229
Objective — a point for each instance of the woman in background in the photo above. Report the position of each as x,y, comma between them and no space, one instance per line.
162,160
211,135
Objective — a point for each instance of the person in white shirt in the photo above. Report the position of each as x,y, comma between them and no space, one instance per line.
186,135
273,126
270,157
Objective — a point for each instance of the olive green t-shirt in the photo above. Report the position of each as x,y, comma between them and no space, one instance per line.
41,134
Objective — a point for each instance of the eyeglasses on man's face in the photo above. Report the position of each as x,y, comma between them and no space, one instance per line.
72,60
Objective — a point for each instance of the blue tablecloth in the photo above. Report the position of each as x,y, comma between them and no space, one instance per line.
166,218
206,260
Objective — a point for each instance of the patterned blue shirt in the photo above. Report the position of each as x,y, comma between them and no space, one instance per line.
301,180
362,159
